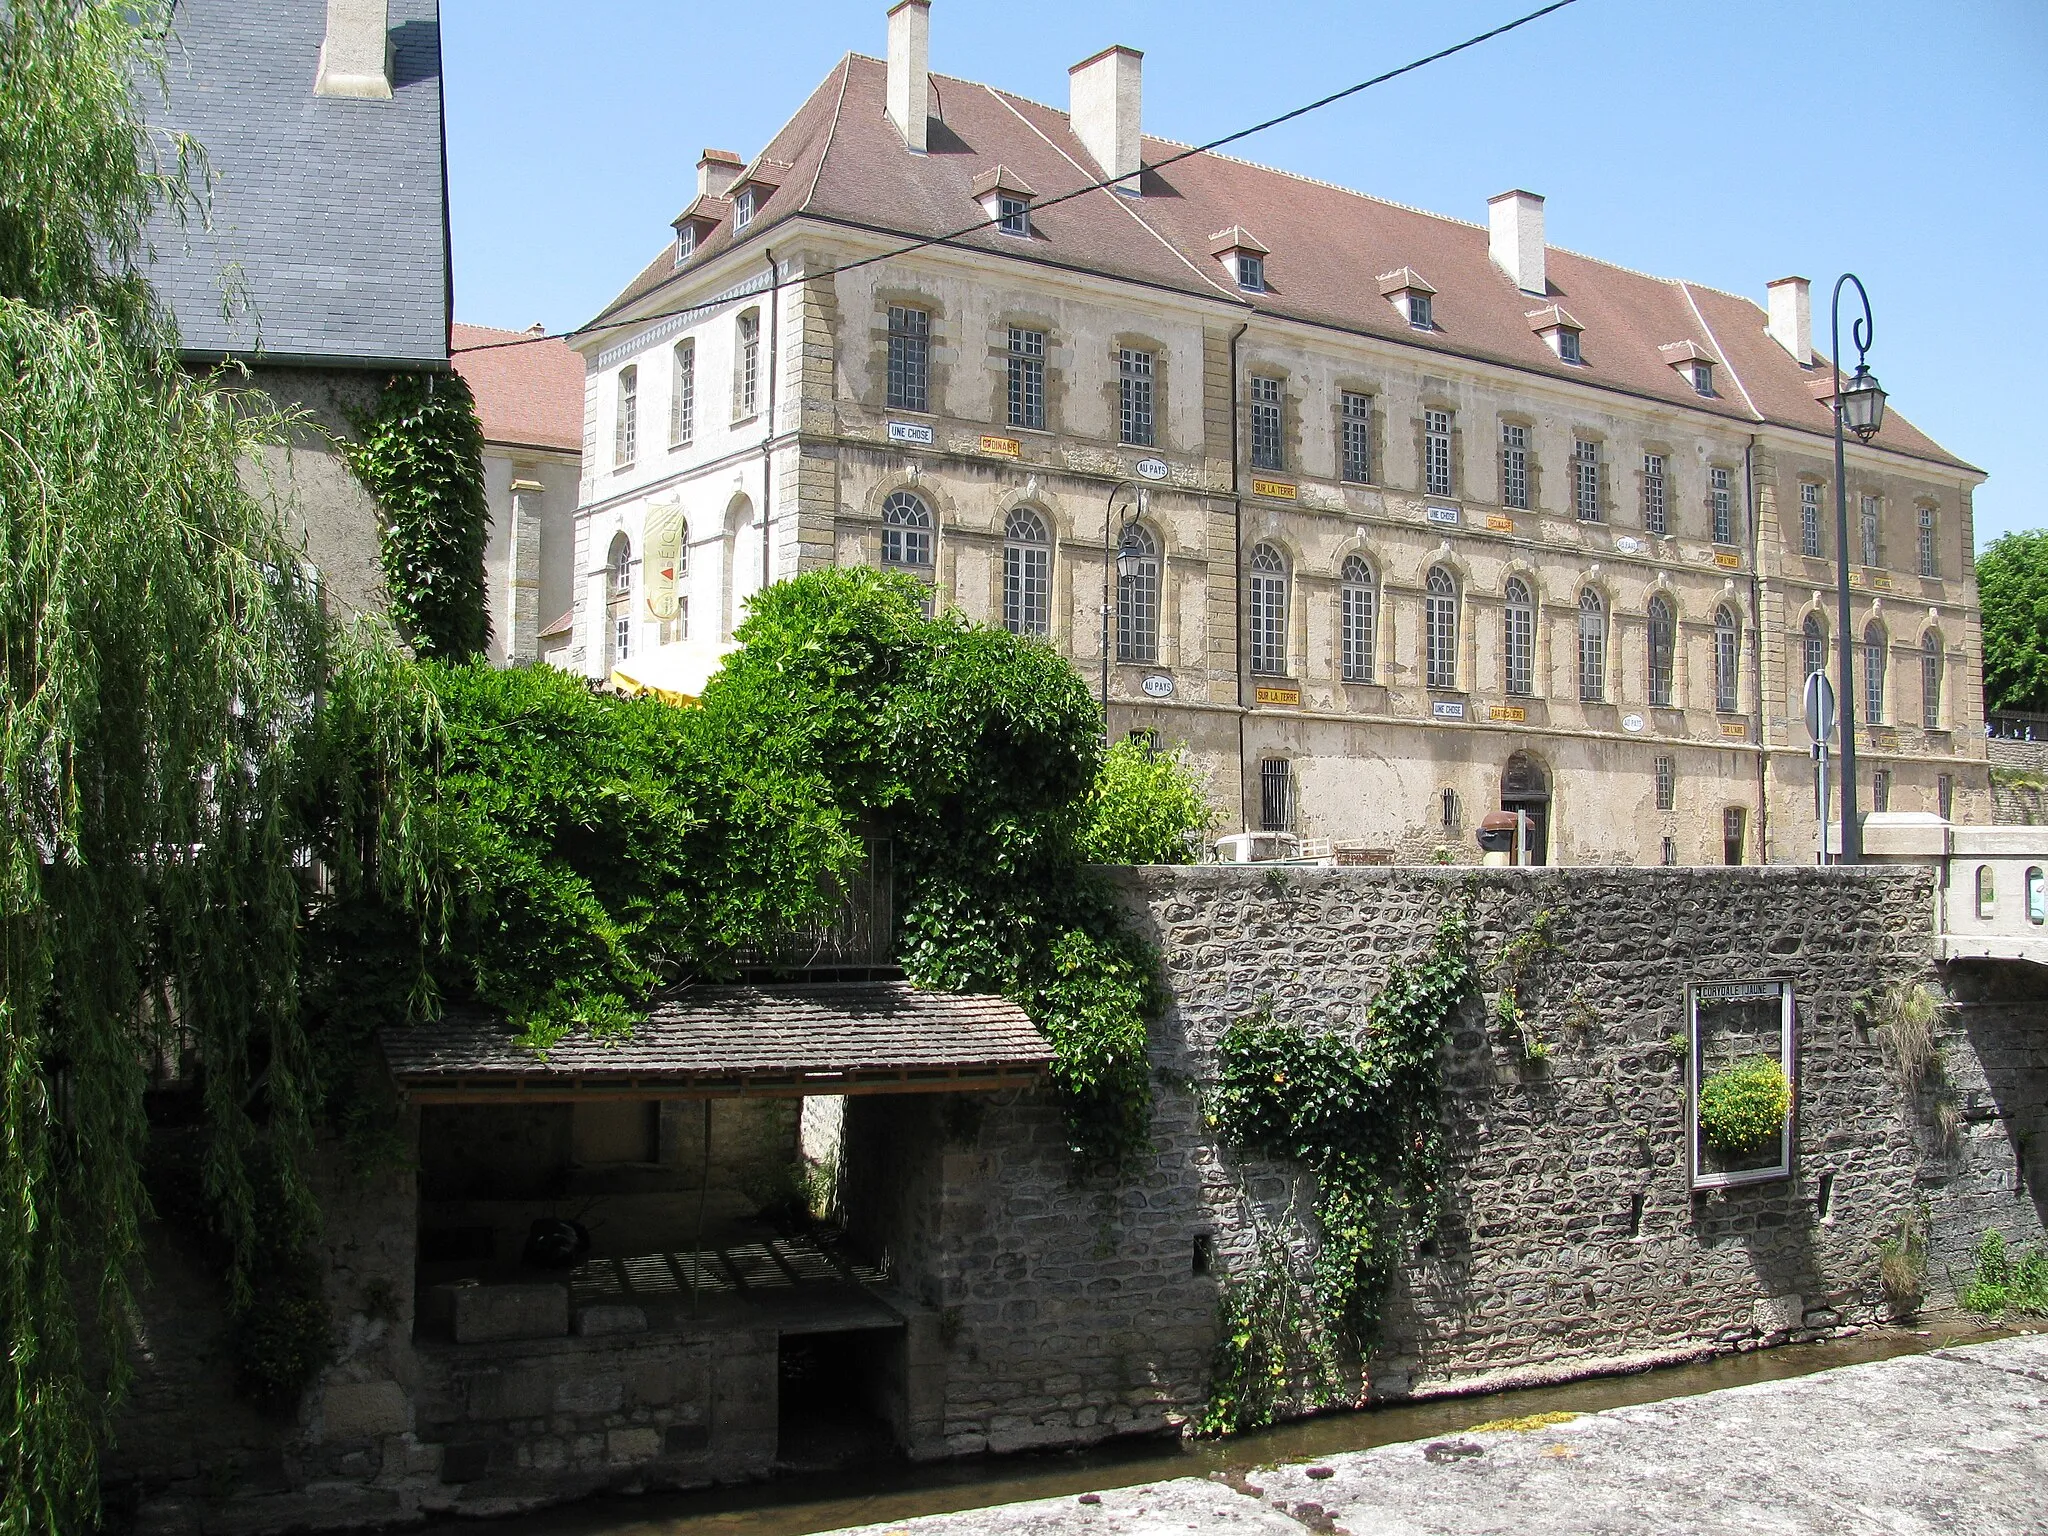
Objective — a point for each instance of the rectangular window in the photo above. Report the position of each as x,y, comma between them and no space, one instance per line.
1134,396
1276,795
1945,796
1420,311
1436,452
1669,854
1586,480
1653,493
1733,819
1357,428
1027,379
1251,273
743,210
1013,216
1929,565
909,358
746,372
1667,782
1567,344
622,638
1514,466
1357,632
626,429
1265,423
1703,378
686,243
682,400
1872,550
1723,500
1881,790
1521,646
1809,518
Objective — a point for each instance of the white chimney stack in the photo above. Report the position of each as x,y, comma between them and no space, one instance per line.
355,56
1105,97
910,32
1791,324
1514,238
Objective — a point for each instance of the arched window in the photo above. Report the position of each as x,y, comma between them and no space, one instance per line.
1137,596
1727,656
906,530
1360,618
626,425
1930,681
1520,639
1440,629
618,608
1663,651
620,563
1876,651
1268,611
1987,894
1592,647
1813,641
1027,574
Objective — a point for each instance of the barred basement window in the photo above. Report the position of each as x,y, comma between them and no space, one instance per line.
1727,653
1930,681
1667,782
1586,479
1436,452
1723,500
1276,795
1809,519
1268,609
1027,379
906,530
1653,493
909,358
1514,466
1137,598
1930,563
1813,641
1669,853
1663,652
1452,811
1945,795
1440,622
682,400
1360,610
1027,574
1134,392
1520,639
1876,651
1592,647
1357,428
626,428
1265,423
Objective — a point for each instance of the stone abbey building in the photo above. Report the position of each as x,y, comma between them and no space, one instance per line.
1419,517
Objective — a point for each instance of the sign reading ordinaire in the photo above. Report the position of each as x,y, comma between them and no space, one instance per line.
1288,696
1008,447
1734,731
1279,490
1726,561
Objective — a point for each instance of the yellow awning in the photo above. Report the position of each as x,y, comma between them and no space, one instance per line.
674,674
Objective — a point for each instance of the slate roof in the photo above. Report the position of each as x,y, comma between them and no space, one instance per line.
528,396
815,1038
1328,248
331,212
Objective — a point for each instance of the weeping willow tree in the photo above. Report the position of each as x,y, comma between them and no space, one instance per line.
184,740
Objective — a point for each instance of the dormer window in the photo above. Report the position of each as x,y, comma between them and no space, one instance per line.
1568,346
743,209
1243,257
686,242
1560,332
1695,364
1413,297
1703,378
1005,199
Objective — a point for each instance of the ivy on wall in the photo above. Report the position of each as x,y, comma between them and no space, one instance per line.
420,455
1366,1120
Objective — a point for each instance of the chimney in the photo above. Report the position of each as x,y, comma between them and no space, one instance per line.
910,36
1791,324
355,56
715,171
1514,238
1104,98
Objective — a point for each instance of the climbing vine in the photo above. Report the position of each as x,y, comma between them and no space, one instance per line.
420,454
1366,1120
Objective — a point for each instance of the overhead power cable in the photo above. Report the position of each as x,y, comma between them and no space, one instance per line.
1081,191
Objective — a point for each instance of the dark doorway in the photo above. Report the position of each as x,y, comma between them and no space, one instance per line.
1525,786
840,1398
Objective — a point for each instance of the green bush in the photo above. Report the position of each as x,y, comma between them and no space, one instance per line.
1743,1107
1147,807
2003,1283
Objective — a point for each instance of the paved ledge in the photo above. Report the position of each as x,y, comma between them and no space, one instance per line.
1953,1443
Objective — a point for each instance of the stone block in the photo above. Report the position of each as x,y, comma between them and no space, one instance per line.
600,1321
525,1393
484,1313
622,1447
363,1410
590,1394
1779,1314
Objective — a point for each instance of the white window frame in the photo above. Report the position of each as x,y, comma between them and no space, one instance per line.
1655,495
1027,573
1358,621
1440,630
1518,637
1013,216
1267,611
1437,476
1721,498
1514,466
1355,447
1592,647
626,422
682,401
1739,991
1586,479
907,532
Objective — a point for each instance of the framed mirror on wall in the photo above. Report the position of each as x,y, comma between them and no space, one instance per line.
1741,1082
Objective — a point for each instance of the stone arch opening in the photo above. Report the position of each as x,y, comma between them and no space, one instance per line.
1525,787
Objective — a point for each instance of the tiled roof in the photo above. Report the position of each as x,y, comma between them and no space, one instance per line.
1328,248
331,213
821,1038
530,395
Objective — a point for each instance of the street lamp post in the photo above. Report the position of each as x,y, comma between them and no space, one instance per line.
1858,406
1126,561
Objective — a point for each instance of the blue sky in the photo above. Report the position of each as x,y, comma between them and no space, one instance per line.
1705,141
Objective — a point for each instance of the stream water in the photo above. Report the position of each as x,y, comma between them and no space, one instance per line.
798,1506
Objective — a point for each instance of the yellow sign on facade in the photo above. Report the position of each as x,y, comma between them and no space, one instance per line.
1513,712
1279,490
1498,524
1278,696
662,540
1726,561
1008,447
1734,732
1877,581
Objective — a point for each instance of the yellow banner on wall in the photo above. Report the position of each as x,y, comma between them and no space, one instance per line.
663,559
